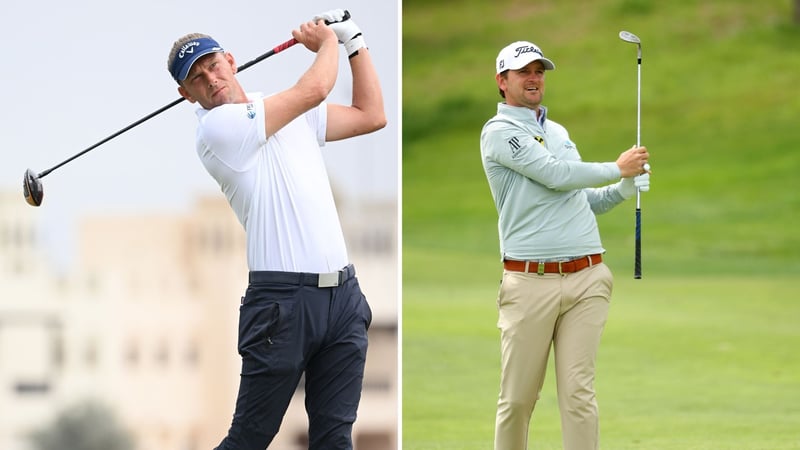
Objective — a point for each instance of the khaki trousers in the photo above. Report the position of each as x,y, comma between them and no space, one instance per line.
568,311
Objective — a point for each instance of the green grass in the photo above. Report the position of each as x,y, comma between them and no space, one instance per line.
701,353
718,118
705,363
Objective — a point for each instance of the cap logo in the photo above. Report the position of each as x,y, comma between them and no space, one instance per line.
528,49
189,53
188,48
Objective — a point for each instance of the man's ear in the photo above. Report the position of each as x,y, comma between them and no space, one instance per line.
185,94
501,81
232,62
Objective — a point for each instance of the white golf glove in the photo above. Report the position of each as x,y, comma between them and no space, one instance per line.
642,182
346,30
629,186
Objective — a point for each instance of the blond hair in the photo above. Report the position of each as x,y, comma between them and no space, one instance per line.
180,43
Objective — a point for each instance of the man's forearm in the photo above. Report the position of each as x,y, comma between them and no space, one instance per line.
367,95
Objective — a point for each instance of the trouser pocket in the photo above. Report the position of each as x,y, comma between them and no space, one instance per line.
267,338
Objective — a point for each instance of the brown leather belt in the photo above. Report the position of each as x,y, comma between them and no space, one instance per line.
553,267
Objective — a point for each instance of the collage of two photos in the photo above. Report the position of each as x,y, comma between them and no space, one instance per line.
411,225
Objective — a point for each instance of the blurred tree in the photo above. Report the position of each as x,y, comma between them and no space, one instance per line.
87,426
797,12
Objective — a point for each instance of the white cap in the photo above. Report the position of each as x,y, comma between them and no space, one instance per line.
519,54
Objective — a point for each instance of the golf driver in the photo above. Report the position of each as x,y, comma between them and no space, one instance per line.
32,183
633,39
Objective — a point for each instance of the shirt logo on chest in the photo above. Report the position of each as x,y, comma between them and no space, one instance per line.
539,139
251,111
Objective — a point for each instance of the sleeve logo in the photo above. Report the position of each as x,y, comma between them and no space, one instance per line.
515,146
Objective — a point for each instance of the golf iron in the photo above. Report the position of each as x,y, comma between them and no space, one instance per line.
633,39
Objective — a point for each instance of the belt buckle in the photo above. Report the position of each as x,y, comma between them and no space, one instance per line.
329,279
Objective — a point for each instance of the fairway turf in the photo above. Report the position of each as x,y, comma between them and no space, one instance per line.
704,363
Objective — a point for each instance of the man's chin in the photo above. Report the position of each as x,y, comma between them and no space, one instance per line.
534,98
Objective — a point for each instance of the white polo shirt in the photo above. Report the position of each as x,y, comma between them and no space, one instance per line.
277,186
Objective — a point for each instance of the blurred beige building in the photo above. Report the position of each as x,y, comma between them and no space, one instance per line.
146,323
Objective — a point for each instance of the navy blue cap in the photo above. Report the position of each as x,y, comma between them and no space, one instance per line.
190,52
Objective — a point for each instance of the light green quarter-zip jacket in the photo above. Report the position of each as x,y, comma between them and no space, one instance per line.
546,197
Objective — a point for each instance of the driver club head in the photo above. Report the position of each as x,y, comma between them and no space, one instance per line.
627,36
32,188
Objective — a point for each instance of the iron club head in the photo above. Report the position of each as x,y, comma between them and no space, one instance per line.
627,36
32,188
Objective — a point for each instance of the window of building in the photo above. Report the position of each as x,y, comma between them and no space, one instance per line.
58,349
374,440
162,354
90,354
31,387
192,354
132,354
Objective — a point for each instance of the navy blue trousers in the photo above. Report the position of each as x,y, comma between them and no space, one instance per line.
287,326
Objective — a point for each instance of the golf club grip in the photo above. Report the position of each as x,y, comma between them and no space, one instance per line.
275,50
283,47
637,263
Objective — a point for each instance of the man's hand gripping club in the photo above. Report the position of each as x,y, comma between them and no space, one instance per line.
345,28
635,171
